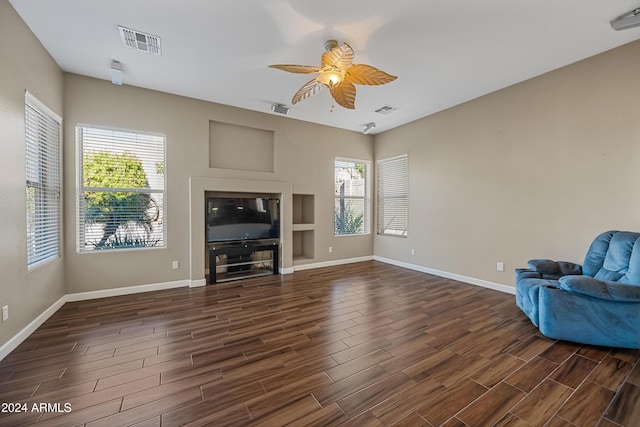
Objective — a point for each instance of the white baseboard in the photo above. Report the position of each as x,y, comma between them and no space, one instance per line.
18,338
471,280
197,283
311,266
83,296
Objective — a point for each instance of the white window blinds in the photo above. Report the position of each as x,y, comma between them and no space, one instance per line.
121,189
393,196
42,155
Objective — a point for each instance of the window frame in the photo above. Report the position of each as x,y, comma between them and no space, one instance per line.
366,198
381,198
43,177
82,246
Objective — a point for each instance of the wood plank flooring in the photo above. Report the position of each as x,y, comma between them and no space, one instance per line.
365,344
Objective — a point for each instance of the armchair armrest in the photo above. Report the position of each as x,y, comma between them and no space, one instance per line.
525,273
559,268
612,291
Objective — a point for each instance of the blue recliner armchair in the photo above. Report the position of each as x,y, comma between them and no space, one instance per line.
597,303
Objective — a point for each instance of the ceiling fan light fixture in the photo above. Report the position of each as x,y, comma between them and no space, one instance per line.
338,73
330,78
330,44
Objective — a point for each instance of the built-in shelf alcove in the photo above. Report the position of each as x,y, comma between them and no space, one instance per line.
303,228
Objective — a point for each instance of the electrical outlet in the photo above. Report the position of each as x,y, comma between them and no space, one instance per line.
5,313
500,266
175,265
413,251
330,249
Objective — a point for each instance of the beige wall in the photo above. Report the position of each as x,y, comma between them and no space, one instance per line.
25,65
303,161
534,170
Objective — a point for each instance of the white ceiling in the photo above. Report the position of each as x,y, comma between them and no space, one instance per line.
444,52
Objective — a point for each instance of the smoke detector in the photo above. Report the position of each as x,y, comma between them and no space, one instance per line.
280,109
116,73
369,127
140,41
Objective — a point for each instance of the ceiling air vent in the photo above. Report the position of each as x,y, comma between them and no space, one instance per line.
385,109
140,41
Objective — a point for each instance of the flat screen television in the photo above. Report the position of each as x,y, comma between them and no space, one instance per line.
242,218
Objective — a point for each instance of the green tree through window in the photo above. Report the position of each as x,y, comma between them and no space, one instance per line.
116,210
348,219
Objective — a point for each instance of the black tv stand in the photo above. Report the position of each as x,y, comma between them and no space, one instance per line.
240,259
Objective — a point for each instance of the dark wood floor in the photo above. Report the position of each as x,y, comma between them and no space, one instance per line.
364,344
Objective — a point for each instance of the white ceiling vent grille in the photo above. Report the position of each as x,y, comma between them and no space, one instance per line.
385,109
140,41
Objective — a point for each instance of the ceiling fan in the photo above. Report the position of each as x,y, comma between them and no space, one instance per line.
338,73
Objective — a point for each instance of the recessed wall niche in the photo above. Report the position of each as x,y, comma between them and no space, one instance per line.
240,147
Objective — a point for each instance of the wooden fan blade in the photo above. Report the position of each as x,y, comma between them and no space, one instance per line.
340,56
363,74
345,94
309,89
298,69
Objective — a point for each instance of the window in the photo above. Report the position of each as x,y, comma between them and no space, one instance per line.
393,196
351,197
121,181
42,155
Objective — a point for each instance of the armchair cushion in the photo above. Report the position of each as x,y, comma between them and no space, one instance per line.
614,256
604,290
